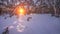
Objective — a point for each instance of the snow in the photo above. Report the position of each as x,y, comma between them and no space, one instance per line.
39,24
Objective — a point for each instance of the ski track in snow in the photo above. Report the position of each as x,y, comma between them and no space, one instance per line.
39,24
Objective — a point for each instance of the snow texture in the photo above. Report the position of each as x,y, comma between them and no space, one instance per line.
39,24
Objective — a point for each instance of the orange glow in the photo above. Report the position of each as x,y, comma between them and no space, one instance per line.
20,10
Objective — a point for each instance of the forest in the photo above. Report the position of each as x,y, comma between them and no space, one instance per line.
33,6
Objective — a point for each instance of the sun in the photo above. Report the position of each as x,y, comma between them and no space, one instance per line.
21,10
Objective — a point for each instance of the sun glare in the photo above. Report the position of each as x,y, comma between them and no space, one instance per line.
21,11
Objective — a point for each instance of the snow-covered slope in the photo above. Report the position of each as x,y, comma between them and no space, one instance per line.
39,24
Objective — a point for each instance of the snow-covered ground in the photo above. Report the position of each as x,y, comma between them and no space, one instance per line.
39,24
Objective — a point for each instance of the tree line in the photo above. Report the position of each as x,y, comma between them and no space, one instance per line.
34,6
